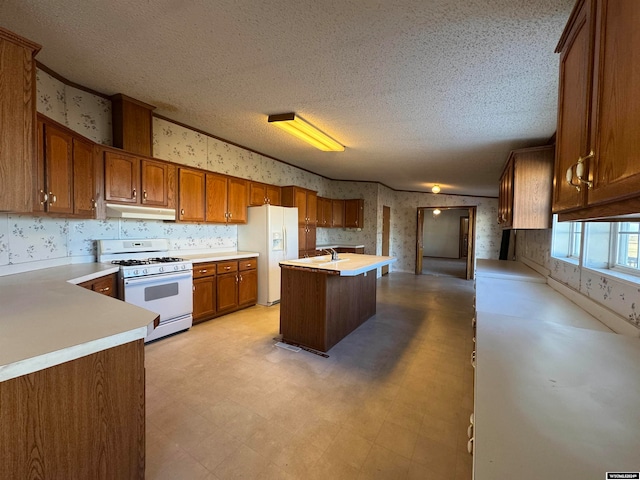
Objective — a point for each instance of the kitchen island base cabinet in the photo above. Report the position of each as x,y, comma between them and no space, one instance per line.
81,419
318,308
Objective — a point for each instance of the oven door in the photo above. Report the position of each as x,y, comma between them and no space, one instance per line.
169,295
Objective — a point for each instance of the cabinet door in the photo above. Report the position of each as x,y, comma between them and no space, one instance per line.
58,169
17,123
337,213
300,201
354,213
154,177
237,197
122,178
204,298
573,107
320,210
216,198
615,113
248,288
302,240
257,194
84,185
310,239
227,290
312,208
273,195
191,195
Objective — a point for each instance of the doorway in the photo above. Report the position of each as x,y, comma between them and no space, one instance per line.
445,241
386,225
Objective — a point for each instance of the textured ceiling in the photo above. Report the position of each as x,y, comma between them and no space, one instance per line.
419,91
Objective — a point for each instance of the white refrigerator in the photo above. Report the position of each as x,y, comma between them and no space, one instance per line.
272,232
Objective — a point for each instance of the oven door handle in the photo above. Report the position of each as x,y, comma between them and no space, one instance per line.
159,278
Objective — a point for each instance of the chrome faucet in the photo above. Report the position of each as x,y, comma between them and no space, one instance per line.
334,254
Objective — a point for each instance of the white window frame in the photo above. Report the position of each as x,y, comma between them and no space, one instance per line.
613,254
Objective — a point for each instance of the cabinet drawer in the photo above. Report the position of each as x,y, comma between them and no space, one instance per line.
106,286
248,264
227,267
203,270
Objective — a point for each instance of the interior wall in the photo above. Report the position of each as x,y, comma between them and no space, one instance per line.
612,293
441,233
47,241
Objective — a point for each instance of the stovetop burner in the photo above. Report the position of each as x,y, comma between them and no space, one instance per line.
130,262
165,259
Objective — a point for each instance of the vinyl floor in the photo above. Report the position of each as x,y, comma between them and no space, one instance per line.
392,400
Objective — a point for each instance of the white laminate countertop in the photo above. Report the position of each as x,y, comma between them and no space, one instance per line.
46,320
216,256
507,270
351,264
554,401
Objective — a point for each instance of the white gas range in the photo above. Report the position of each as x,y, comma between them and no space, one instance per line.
152,280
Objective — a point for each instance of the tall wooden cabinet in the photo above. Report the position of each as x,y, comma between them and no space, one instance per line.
17,122
354,213
598,148
525,189
306,202
191,195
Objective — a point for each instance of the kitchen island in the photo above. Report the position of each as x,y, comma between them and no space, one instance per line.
322,301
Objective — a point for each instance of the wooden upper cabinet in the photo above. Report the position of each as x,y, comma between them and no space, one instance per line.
237,199
216,198
325,212
337,213
191,195
58,170
312,208
17,122
122,177
525,189
262,193
85,195
135,180
354,213
273,195
132,125
598,114
573,107
154,177
226,199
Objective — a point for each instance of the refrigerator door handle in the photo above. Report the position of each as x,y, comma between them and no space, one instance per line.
284,240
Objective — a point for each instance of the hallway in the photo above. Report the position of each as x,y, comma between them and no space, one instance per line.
392,400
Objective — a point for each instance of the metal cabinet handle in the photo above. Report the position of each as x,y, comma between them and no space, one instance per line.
144,194
54,199
135,194
229,214
569,177
182,211
236,278
203,270
227,267
248,265
470,446
94,204
44,197
105,289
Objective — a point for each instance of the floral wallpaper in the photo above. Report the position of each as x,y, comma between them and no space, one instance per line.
619,296
25,238
82,112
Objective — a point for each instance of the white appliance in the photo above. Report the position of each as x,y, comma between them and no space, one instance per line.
272,232
151,280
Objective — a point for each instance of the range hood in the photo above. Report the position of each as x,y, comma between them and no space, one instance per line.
135,211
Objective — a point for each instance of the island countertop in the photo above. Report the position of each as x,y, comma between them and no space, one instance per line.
348,265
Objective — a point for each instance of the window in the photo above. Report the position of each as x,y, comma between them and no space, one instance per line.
626,245
567,239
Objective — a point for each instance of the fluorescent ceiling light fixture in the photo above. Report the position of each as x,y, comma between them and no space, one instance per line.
305,131
435,188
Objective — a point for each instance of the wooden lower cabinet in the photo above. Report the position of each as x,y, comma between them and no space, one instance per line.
81,419
107,285
224,287
204,291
